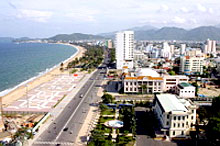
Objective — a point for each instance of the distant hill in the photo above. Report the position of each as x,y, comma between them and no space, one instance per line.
75,36
111,35
174,33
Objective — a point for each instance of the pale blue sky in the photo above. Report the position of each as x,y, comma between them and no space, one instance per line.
44,18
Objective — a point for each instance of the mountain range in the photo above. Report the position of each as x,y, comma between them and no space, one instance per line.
142,33
76,36
173,33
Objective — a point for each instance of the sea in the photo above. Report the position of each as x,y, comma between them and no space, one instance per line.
23,62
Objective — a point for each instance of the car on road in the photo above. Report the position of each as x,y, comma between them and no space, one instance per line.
65,129
81,96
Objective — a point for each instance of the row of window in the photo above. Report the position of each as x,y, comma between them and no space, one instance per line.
140,83
180,117
188,91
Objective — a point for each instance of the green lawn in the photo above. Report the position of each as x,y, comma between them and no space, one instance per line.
103,128
108,112
104,119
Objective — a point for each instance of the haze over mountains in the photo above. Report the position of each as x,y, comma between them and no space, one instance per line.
144,33
173,33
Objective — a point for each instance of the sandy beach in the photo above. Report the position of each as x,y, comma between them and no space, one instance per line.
21,91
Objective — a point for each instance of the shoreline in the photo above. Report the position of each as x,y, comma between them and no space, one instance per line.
12,94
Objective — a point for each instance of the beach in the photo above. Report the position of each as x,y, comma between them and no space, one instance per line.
48,76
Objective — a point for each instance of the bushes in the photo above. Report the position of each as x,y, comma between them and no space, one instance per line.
107,98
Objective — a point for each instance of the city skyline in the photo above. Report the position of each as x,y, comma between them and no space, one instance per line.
45,18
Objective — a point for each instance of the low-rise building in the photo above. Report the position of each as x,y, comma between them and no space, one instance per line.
176,116
185,90
170,82
147,80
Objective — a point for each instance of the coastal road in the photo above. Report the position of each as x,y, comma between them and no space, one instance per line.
65,128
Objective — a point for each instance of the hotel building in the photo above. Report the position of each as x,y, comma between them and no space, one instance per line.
176,116
124,49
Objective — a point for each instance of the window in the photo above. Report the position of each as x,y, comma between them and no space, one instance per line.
186,123
126,89
130,89
168,116
135,89
126,83
192,118
182,133
173,133
178,125
183,118
174,118
179,118
167,122
174,125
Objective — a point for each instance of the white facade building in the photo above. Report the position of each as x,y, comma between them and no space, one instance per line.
147,80
176,116
209,47
124,49
170,82
182,49
191,65
185,90
166,51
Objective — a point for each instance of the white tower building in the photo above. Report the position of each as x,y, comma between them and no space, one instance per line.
124,49
183,49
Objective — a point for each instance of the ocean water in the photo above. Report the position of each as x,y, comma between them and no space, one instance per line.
20,62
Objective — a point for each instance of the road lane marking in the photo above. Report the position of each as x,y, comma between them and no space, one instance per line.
75,109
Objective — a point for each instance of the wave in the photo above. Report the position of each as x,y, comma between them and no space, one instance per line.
40,74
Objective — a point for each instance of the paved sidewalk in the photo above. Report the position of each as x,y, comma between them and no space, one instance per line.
59,108
90,121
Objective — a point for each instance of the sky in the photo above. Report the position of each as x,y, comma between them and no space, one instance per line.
45,18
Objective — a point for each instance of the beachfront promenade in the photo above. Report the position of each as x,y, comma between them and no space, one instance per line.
44,98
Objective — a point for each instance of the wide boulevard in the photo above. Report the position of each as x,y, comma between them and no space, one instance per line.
65,128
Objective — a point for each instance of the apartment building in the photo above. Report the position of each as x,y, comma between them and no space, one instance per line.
176,116
191,65
124,49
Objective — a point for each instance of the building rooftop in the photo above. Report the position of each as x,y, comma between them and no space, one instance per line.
147,72
171,103
184,85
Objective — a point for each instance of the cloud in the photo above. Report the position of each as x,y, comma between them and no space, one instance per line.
201,8
184,9
82,14
11,5
34,15
178,20
194,21
164,7
211,11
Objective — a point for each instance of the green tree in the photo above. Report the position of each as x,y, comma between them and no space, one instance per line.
171,72
107,98
197,87
103,107
213,127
